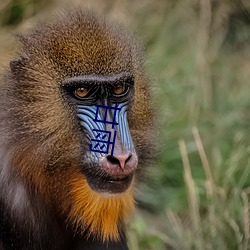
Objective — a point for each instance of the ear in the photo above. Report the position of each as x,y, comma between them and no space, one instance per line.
17,66
18,63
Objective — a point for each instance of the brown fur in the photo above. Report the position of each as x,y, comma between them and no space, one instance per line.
39,131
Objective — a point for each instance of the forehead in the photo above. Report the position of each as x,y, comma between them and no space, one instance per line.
86,45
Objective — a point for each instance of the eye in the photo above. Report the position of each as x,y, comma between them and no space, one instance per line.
119,89
81,92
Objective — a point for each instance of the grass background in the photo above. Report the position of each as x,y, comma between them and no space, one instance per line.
198,54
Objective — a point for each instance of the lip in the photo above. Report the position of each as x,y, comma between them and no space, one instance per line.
109,184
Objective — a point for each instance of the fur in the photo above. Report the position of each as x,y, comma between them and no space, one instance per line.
44,197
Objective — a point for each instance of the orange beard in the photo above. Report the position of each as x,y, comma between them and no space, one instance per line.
96,212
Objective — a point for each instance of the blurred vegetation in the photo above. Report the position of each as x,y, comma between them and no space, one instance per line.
197,193
14,12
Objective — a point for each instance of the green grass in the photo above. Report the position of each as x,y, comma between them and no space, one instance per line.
199,187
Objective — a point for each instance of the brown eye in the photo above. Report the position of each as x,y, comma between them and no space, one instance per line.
81,92
119,89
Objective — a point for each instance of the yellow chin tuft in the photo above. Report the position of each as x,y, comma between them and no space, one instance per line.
99,213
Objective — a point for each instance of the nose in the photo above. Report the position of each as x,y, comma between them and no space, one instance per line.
119,160
123,163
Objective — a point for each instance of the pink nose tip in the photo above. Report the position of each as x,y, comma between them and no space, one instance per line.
119,164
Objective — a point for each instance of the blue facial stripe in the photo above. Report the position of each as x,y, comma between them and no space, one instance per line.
87,114
124,129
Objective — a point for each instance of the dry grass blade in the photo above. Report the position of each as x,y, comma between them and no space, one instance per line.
192,197
204,159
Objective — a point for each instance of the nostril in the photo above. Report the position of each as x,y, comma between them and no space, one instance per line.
113,160
128,158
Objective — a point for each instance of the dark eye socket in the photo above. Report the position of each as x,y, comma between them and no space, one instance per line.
81,92
119,89
123,87
86,93
89,90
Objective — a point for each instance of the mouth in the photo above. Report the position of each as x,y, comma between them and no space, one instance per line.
101,182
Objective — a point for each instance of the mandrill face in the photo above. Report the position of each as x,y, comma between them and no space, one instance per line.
77,120
111,158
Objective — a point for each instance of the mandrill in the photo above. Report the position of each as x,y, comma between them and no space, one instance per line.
75,125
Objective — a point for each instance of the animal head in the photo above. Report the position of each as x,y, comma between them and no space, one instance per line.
78,79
